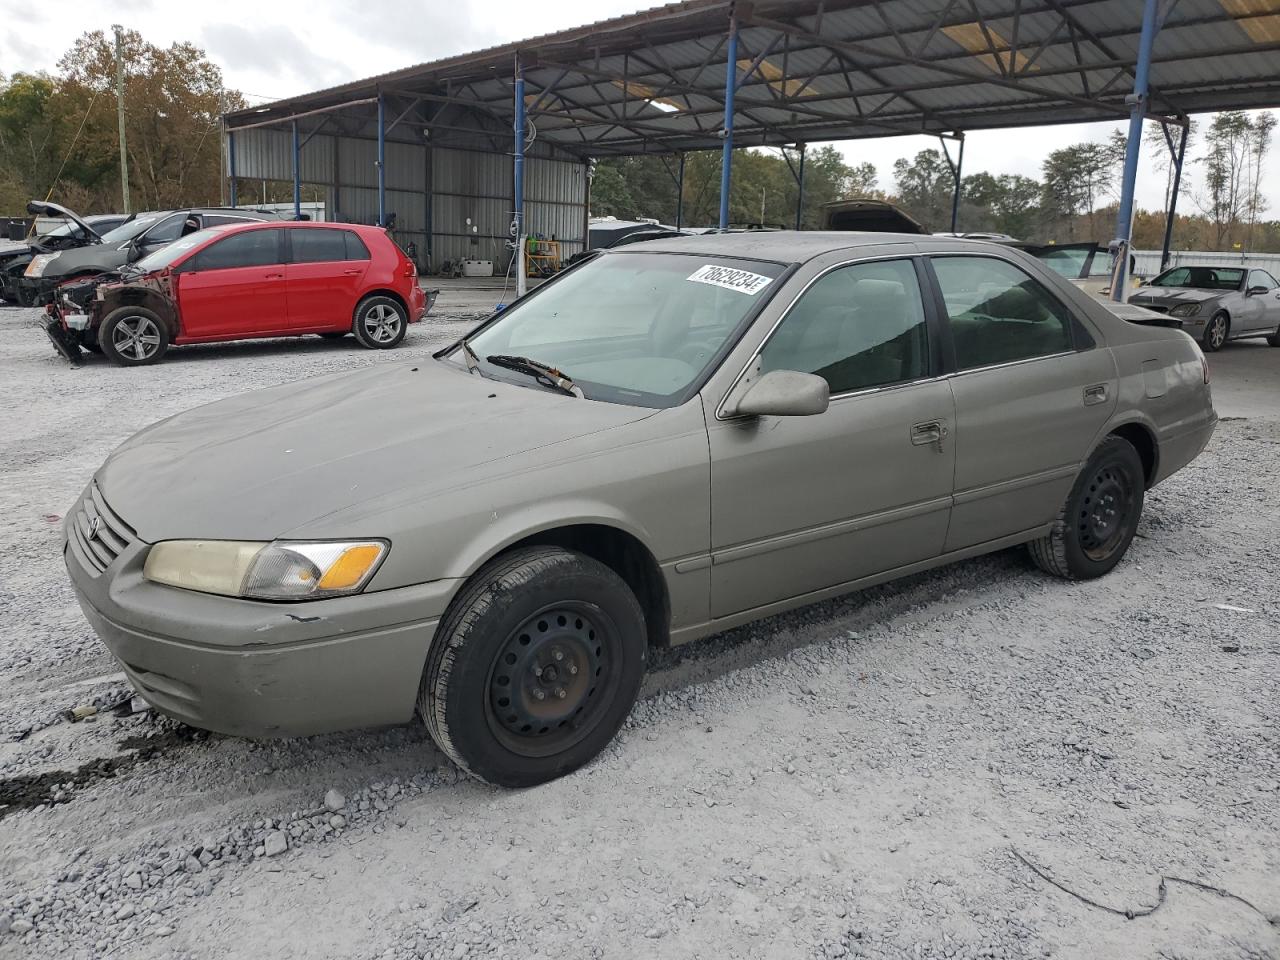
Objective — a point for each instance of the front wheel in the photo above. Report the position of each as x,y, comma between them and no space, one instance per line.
380,323
535,666
1097,523
1215,333
133,336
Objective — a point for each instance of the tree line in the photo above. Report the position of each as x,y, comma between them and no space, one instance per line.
58,137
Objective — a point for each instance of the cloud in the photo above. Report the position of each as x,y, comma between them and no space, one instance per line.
273,51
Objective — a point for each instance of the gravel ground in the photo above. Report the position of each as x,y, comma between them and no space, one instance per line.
947,766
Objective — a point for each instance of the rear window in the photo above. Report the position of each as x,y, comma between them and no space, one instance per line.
356,250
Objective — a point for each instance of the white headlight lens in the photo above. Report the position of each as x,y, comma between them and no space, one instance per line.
1185,310
36,267
265,571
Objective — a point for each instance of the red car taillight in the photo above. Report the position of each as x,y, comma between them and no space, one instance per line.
410,269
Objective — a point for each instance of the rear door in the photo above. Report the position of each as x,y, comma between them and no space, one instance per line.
324,277
235,287
1031,388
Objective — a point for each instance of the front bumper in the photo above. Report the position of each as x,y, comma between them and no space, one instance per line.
257,669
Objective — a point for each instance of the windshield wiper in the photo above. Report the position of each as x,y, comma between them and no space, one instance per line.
545,375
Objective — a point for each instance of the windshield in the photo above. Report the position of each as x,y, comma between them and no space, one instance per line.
173,251
635,328
1201,278
131,228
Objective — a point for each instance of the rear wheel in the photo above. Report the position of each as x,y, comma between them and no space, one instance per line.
1097,523
1274,339
1215,333
133,336
380,323
535,666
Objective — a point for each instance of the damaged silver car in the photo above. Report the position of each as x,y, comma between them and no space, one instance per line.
669,440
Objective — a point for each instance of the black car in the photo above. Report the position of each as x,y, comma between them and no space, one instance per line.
143,234
55,229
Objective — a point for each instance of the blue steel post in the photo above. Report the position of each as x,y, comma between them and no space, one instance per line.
1137,111
297,180
730,87
382,160
800,190
517,188
1167,243
231,163
957,176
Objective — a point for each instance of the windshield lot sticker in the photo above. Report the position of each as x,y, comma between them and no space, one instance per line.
741,280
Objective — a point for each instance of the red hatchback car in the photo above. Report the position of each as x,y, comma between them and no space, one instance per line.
245,281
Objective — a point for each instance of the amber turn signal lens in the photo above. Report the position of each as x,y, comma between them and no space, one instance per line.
350,568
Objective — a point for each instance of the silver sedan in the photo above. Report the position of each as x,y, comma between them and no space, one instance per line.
1216,304
671,439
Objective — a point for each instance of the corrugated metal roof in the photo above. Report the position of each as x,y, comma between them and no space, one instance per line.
654,81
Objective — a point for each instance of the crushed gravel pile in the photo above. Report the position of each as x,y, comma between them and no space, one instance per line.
871,777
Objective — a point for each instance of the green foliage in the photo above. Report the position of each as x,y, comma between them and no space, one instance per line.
67,122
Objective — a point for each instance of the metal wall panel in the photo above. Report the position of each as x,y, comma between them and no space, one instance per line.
475,184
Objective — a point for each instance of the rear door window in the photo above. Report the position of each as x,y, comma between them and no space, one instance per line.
999,314
317,244
356,250
253,248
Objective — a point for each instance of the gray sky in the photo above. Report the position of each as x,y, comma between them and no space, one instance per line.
277,49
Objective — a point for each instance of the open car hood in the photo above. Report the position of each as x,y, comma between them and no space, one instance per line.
42,208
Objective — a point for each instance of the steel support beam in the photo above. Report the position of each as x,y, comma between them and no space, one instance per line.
800,189
231,163
680,195
382,159
957,170
1173,197
730,88
297,174
517,130
1137,111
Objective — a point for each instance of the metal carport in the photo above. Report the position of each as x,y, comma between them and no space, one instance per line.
435,140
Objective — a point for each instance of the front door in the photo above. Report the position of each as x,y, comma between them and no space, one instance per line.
325,272
1031,392
234,288
1263,306
803,503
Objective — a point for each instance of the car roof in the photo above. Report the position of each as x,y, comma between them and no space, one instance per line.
293,225
783,246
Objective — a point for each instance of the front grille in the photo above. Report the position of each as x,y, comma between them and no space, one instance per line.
97,535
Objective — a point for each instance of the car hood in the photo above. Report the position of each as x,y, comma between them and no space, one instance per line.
256,466
42,208
97,258
1172,296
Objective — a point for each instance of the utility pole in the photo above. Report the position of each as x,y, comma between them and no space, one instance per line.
124,156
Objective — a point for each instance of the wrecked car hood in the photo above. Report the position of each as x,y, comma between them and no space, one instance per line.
97,258
258,465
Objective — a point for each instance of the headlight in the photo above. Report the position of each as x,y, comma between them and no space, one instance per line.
1185,310
283,570
41,260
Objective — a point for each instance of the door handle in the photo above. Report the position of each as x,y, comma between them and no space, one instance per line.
931,431
352,273
1095,394
274,276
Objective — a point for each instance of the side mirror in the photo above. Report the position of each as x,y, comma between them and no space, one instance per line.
1256,291
785,393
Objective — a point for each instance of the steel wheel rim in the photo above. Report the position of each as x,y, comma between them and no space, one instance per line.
538,703
136,338
1103,518
1218,332
381,323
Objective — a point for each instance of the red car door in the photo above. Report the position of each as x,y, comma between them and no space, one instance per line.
323,278
234,288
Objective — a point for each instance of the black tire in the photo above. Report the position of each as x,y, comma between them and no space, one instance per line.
379,323
1097,523
26,298
133,337
1216,332
1274,338
337,335
534,667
